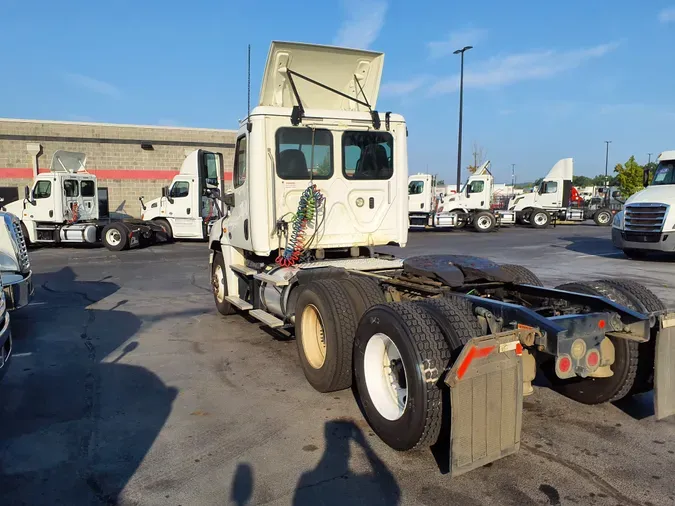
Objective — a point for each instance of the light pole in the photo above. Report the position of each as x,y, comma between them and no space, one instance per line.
650,157
461,106
607,143
513,178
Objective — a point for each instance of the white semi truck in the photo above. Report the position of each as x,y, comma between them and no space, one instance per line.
15,271
551,200
647,222
472,206
64,206
439,347
189,206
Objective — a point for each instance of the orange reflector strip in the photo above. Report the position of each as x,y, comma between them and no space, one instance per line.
473,354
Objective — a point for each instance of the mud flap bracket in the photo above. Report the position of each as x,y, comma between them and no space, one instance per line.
664,367
486,401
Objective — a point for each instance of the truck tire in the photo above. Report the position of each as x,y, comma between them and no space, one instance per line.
166,226
400,356
365,293
325,324
540,218
635,254
522,275
219,285
484,221
644,301
454,315
603,217
463,214
24,231
115,236
599,390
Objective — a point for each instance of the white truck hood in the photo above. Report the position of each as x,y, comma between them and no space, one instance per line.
15,208
658,194
8,259
336,67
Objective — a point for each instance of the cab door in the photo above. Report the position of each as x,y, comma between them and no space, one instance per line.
43,195
238,220
182,208
88,204
550,194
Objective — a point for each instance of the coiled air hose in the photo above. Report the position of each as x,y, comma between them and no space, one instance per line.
309,206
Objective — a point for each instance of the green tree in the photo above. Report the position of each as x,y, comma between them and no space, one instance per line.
600,180
652,169
440,182
629,177
581,181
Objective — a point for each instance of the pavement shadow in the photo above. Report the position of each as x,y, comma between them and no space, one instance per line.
76,422
333,482
599,246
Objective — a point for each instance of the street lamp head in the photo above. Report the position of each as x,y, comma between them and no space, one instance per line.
465,48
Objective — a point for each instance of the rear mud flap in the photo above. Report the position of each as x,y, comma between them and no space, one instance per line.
486,401
664,367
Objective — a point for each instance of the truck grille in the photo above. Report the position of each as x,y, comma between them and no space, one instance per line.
645,217
18,241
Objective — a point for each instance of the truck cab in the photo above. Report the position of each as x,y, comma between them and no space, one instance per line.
422,200
187,207
647,222
476,194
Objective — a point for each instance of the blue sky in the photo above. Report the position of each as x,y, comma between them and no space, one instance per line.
545,80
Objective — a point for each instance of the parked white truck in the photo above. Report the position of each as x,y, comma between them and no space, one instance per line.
647,222
551,200
64,206
17,283
189,206
472,206
440,347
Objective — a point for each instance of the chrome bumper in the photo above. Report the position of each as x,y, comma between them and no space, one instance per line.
19,293
5,345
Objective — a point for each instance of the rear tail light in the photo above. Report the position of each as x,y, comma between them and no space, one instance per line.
593,359
563,366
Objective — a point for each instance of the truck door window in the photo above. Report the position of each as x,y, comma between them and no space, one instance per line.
550,187
210,168
240,162
415,187
367,155
180,189
71,188
87,188
298,151
476,186
43,190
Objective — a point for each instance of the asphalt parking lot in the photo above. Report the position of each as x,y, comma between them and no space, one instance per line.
127,387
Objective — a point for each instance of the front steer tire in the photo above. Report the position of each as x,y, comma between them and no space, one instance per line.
325,324
415,420
219,285
626,357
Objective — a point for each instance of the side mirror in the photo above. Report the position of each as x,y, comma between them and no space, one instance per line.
213,193
165,193
645,178
27,196
228,199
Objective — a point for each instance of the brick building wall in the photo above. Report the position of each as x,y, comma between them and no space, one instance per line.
114,155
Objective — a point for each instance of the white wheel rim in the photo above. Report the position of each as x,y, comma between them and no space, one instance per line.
603,217
218,283
313,336
484,222
113,237
540,218
386,377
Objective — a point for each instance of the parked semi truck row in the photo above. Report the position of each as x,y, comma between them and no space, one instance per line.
472,206
647,222
65,205
438,347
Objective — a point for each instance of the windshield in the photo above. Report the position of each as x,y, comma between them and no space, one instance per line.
415,187
665,173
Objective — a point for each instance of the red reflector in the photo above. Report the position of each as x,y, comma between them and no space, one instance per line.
473,353
601,324
593,358
564,364
519,349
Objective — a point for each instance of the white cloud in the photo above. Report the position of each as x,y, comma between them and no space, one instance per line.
456,40
667,15
91,84
400,88
363,23
502,71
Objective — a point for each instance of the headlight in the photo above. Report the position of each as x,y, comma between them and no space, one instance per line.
618,220
3,303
